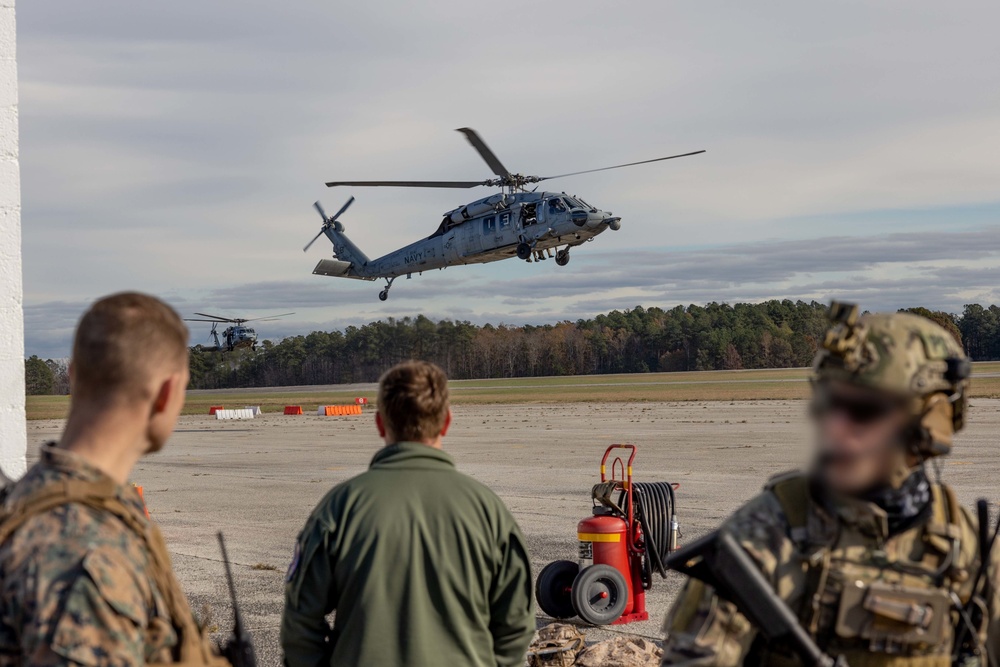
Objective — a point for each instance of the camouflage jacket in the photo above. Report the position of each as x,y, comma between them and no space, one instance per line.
842,575
75,583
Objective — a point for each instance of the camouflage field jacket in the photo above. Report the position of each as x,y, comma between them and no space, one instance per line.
75,585
845,578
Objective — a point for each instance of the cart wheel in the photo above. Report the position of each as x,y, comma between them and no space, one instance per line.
552,590
599,594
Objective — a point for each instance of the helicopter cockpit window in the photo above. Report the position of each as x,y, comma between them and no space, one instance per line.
556,205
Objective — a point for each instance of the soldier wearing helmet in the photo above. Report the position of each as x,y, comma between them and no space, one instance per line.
880,564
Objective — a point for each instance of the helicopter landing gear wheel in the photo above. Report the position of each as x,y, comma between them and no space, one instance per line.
523,251
599,594
384,294
562,257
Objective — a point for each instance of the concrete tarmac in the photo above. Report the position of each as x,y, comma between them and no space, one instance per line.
258,480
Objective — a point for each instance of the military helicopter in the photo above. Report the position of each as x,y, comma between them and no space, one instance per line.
237,335
517,222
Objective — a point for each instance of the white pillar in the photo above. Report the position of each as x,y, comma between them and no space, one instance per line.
13,434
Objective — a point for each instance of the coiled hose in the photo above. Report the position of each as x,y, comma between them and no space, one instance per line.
655,510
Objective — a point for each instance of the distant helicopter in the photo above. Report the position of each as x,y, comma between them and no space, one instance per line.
515,223
237,335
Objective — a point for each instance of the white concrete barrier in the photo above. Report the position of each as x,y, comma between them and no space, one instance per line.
255,409
245,413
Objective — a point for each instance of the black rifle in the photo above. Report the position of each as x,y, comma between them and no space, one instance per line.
967,642
719,561
239,649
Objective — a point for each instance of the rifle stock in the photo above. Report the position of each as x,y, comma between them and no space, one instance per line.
719,561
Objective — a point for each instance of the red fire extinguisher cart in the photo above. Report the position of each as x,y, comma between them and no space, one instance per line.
631,530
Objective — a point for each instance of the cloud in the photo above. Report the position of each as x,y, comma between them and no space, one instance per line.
937,269
177,147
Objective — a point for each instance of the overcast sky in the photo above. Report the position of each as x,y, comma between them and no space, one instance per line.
177,147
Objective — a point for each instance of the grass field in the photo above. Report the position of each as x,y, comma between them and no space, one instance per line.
693,386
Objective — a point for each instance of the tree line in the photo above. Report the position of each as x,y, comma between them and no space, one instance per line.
45,376
717,336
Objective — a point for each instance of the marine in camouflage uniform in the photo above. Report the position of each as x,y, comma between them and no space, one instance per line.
85,577
79,582
876,576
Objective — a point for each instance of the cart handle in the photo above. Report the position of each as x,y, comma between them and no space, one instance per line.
626,468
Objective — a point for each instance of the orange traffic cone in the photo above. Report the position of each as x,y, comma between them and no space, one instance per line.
142,497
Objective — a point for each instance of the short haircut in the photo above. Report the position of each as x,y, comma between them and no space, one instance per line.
121,342
413,401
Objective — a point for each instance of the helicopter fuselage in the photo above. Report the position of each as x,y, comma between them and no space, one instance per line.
239,336
517,223
521,224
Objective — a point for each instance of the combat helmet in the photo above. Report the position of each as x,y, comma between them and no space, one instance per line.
907,356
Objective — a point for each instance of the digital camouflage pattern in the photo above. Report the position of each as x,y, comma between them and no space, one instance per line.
847,582
903,355
76,585
556,645
899,353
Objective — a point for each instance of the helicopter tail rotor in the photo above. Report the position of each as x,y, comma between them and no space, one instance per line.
328,222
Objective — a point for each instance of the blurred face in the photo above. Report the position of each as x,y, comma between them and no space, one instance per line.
860,437
167,408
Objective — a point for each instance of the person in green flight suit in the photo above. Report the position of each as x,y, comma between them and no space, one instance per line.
422,565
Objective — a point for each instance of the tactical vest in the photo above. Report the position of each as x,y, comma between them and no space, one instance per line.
879,602
194,648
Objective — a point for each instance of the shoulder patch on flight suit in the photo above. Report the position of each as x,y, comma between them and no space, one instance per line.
294,565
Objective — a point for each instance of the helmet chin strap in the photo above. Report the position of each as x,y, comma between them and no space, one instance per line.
928,437
932,429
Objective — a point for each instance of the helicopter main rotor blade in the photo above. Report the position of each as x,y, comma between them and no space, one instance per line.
343,208
314,239
195,319
536,179
217,317
408,184
269,317
491,159
319,209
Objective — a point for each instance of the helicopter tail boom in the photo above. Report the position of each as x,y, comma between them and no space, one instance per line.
344,248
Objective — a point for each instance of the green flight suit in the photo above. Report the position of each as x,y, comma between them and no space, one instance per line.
422,564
